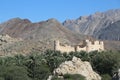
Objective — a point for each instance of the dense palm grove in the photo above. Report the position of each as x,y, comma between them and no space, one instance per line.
38,66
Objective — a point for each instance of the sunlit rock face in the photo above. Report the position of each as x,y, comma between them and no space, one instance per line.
76,66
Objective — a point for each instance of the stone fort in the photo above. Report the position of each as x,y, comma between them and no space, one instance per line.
85,45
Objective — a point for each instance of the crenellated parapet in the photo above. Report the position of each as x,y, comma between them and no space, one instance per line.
94,45
88,46
63,48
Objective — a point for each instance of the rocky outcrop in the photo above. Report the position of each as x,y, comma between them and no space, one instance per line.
76,66
6,43
7,39
119,74
116,75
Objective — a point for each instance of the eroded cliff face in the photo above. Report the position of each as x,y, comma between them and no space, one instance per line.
76,66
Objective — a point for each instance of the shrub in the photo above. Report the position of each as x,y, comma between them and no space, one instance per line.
73,77
105,62
106,77
13,73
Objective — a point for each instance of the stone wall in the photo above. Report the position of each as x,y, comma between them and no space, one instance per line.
96,45
88,46
63,48
78,48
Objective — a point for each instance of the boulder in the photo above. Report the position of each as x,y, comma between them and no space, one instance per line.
116,75
76,66
119,74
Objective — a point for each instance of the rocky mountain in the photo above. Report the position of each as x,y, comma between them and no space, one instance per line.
40,36
35,36
111,32
97,24
44,30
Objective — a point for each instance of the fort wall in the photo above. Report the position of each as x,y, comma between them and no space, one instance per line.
88,46
63,48
78,48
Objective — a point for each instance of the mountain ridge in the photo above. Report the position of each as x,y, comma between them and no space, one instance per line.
26,29
93,24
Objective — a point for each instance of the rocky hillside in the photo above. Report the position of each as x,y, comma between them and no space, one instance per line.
7,43
45,30
35,36
10,46
97,24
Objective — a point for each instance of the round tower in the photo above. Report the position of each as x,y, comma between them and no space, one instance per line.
56,45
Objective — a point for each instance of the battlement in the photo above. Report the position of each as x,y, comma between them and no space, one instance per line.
63,48
94,42
87,46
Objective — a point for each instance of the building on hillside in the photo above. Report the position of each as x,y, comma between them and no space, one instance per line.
86,45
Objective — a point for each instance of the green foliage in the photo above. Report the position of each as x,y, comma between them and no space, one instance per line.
13,73
105,62
106,77
56,78
37,68
1,78
73,77
69,77
40,66
84,56
54,59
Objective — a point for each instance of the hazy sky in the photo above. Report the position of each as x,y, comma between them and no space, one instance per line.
37,10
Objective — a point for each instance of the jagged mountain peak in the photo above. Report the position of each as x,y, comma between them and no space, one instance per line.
82,17
112,11
94,23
